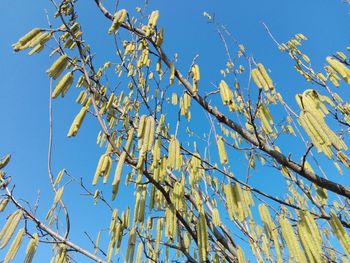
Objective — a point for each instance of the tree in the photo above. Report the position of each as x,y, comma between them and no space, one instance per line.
187,195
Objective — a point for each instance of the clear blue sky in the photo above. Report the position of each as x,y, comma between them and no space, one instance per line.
25,86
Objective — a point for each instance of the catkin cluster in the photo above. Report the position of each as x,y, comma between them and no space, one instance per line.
118,19
145,135
58,67
312,118
336,69
261,78
221,149
185,104
227,96
35,39
202,234
266,120
174,160
238,203
195,77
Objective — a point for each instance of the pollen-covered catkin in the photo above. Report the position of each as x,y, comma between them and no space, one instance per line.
4,161
172,74
77,122
340,68
103,167
118,20
265,76
11,253
3,204
31,248
152,22
9,227
23,42
222,150
63,85
57,67
195,77
118,173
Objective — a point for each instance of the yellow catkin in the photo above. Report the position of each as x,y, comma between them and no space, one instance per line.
146,133
225,92
178,156
114,219
265,244
39,40
58,195
139,253
78,120
110,248
59,177
118,19
118,173
271,229
170,226
156,153
229,200
159,234
291,240
173,161
142,207
340,232
110,101
172,74
129,258
23,42
241,209
266,119
119,236
4,161
195,77
311,247
343,158
129,141
14,246
31,248
142,156
3,204
57,67
9,228
340,68
256,78
102,167
240,255
222,150
174,99
137,205
140,129
81,98
36,49
202,233
312,120
152,22
63,85
150,140
106,167
216,217
266,77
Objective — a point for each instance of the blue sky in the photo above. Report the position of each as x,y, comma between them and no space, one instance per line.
25,86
